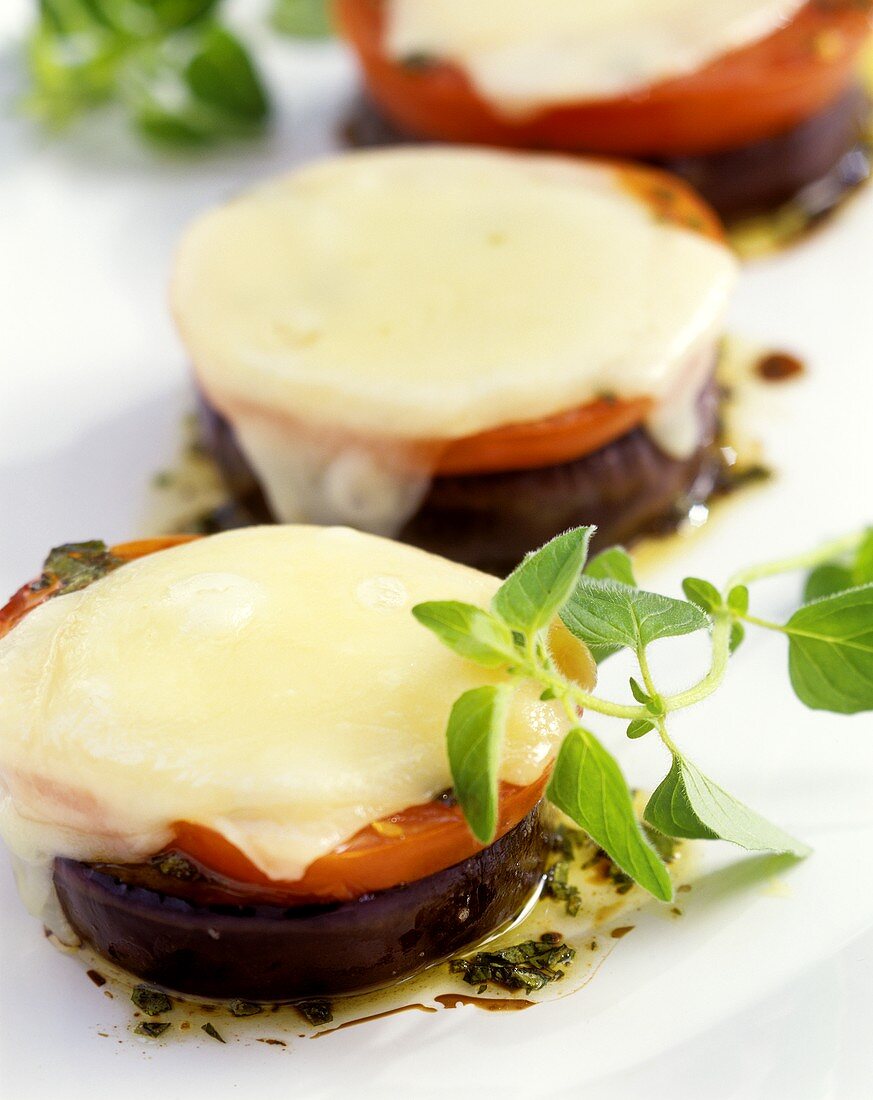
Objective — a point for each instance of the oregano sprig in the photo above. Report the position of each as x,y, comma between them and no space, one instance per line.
830,660
177,71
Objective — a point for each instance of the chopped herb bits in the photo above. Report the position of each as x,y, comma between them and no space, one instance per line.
316,1012
556,886
151,1001
152,1029
527,966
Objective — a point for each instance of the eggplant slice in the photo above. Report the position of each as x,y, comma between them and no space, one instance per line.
273,953
826,153
815,163
628,488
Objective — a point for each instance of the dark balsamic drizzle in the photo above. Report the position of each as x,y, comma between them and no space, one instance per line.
779,366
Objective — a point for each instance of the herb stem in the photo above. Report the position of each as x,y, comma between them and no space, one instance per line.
661,726
571,693
721,636
765,623
646,671
808,560
602,706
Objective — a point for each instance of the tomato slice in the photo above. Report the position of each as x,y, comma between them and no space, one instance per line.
406,846
548,442
141,548
744,96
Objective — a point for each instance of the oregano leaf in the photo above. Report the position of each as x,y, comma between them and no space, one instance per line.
827,580
849,571
588,786
687,804
862,570
639,728
705,595
830,652
604,613
738,599
639,692
534,593
614,564
469,631
475,732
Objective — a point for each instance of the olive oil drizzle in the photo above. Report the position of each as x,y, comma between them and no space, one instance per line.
603,917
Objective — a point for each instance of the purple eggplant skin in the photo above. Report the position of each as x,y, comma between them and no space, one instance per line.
825,151
628,488
271,953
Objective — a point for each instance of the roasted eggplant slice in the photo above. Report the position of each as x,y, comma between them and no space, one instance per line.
275,953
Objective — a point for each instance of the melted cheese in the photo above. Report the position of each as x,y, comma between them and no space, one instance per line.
269,683
361,305
431,294
523,56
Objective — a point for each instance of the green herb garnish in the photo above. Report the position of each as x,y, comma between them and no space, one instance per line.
75,565
244,1008
830,658
302,18
849,569
152,1029
555,885
211,1032
179,74
566,841
151,1001
528,966
316,1012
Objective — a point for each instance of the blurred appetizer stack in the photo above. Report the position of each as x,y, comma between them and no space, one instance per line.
752,101
468,350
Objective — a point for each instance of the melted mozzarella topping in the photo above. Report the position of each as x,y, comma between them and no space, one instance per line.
522,56
431,294
269,683
344,312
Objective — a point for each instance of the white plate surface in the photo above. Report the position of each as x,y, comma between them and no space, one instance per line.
760,990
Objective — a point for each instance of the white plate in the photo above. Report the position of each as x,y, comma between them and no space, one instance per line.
759,990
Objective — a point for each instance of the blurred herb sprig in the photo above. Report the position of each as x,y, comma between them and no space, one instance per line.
179,73
302,18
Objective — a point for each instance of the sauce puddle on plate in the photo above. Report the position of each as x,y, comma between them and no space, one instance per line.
584,907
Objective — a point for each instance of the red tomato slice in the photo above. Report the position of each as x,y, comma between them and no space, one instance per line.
548,442
744,96
410,845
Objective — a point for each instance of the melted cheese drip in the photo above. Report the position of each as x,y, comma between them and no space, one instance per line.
523,56
269,683
341,314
